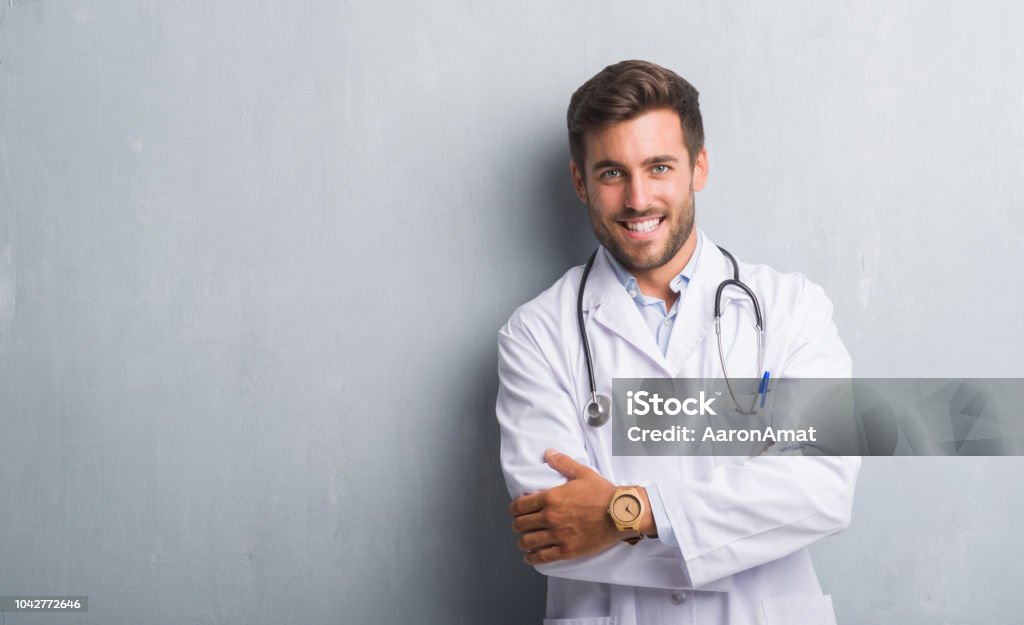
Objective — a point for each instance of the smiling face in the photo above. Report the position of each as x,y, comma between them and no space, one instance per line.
639,188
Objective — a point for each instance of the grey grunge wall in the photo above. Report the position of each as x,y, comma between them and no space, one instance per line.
254,256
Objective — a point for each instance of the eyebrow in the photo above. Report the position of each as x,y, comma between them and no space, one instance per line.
653,160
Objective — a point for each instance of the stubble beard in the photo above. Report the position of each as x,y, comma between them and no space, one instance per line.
678,234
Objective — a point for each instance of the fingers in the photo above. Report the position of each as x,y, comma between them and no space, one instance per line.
564,464
567,510
534,541
543,556
529,523
527,504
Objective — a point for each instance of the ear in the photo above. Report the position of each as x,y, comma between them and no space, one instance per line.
577,181
700,170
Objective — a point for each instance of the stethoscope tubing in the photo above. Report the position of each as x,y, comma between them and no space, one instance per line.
598,408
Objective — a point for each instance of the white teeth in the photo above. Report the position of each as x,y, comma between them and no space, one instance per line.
643,226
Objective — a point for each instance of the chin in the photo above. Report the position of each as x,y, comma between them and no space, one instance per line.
643,262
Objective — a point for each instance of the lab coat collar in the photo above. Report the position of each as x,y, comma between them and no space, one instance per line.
612,307
696,316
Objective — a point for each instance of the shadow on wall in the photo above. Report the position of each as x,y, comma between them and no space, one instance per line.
500,586
542,229
568,239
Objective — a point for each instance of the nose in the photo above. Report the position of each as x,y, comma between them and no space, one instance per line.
638,193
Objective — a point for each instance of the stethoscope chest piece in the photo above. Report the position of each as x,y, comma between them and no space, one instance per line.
599,410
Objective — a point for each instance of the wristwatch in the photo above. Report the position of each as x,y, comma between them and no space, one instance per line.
626,510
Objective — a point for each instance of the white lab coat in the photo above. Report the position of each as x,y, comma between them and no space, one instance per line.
742,524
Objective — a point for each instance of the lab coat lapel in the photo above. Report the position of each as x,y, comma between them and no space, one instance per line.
695,318
612,308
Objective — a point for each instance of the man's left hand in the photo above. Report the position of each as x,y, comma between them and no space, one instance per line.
567,521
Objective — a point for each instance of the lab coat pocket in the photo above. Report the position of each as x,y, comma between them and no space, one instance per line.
592,620
799,610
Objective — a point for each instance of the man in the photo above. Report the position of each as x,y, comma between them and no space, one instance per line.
718,539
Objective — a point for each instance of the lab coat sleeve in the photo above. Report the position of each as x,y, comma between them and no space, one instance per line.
745,515
739,516
535,412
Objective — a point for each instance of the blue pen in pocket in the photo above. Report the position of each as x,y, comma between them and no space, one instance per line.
763,388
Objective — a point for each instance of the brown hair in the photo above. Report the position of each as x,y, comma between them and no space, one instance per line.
626,90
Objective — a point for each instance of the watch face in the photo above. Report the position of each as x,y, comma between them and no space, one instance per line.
626,508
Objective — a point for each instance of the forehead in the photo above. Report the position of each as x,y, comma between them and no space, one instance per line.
657,132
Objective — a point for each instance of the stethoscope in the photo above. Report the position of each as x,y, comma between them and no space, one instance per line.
599,409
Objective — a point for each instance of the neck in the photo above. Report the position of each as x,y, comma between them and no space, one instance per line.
655,282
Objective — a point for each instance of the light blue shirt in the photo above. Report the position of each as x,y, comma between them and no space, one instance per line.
660,321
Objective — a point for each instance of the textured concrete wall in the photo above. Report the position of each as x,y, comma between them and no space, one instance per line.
253,257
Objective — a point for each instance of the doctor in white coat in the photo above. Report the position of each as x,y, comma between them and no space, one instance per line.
721,539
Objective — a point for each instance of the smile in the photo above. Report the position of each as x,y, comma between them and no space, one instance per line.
642,226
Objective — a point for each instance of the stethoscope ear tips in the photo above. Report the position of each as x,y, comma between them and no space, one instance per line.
598,410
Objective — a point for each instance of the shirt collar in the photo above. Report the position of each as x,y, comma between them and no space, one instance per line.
629,282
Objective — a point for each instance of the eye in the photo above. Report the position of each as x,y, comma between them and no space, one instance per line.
612,173
661,169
